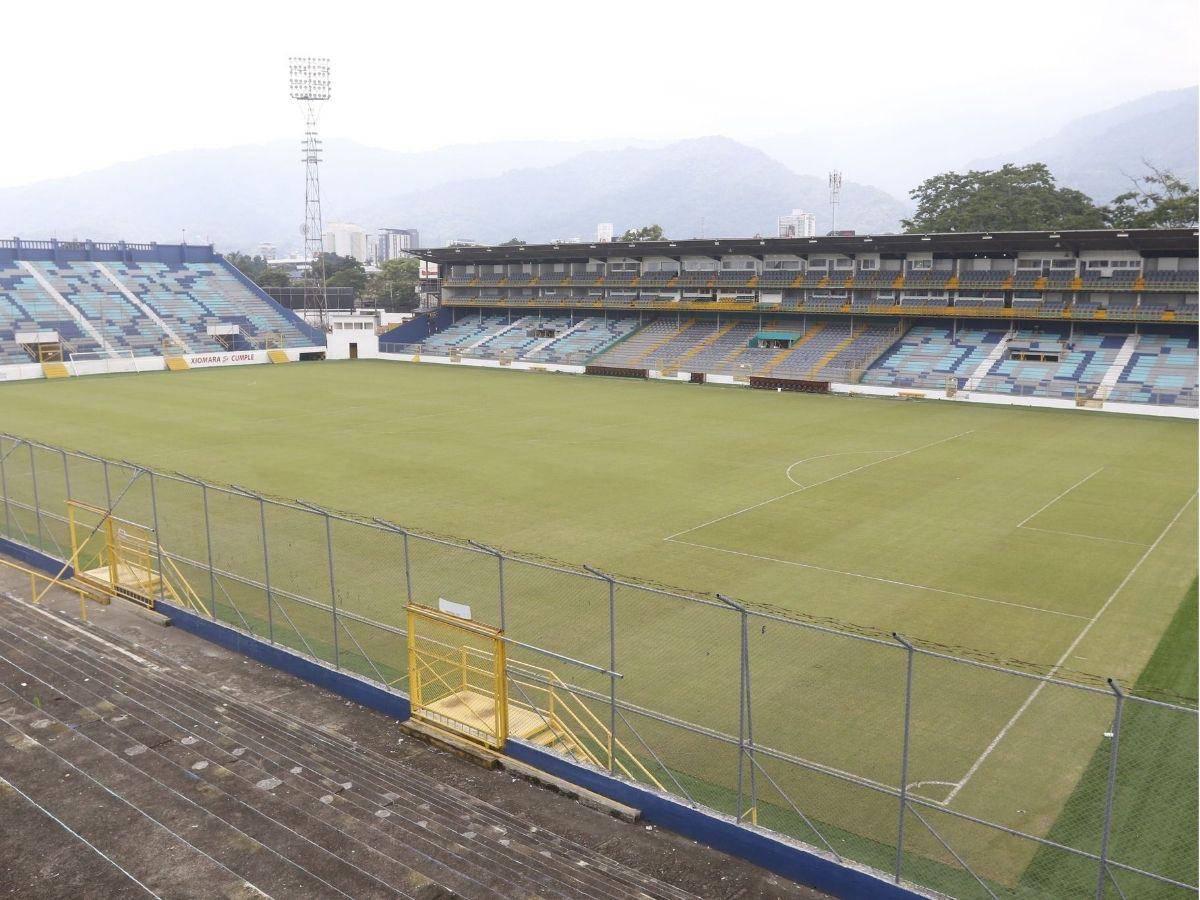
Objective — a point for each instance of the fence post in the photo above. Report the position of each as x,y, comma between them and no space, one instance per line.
157,535
500,563
745,733
212,575
37,506
333,586
107,488
612,663
66,473
4,489
262,521
908,680
1110,790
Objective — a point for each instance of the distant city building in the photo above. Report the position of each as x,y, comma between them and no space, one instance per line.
396,243
346,239
267,251
799,224
604,233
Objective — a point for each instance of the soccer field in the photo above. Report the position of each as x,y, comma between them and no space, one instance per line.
1059,540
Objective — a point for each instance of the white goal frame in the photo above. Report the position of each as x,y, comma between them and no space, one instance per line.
104,362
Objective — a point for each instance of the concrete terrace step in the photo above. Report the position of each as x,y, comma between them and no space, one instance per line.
307,802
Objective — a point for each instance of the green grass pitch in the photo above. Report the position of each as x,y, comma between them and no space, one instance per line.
1057,538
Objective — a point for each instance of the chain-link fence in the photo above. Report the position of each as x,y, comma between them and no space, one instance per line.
952,773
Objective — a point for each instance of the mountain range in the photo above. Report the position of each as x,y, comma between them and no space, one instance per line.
242,196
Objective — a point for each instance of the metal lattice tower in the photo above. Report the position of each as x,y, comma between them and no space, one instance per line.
308,82
835,196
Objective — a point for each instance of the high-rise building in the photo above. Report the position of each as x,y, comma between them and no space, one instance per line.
346,239
267,251
799,224
604,233
395,243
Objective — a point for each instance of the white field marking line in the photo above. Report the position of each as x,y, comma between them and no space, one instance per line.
1090,537
1066,654
892,581
1046,506
95,637
816,483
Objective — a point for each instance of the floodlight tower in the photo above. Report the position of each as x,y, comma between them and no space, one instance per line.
835,195
308,82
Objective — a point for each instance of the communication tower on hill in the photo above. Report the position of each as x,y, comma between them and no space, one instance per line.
308,82
835,195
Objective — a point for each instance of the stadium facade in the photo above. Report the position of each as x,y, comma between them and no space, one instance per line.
1086,317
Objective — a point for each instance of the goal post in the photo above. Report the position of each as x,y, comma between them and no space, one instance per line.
100,362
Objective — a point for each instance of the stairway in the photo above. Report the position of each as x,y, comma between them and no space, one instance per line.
188,790
145,310
177,364
658,345
55,370
996,354
774,361
546,342
495,334
833,351
278,356
1113,374
69,308
707,342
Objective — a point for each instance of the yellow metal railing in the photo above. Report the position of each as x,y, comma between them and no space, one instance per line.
51,581
573,721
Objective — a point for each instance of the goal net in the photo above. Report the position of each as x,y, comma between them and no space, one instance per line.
99,362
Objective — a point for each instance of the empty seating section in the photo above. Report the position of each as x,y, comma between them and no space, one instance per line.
25,307
463,333
874,350
176,298
118,321
928,355
231,300
584,340
1163,370
185,298
1084,360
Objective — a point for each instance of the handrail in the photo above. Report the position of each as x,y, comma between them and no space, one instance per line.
35,575
556,686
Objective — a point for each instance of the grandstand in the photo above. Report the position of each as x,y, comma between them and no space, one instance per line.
67,300
1082,316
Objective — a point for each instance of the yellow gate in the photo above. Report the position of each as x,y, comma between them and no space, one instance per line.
456,675
121,558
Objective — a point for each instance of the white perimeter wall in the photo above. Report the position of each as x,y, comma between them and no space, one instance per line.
25,371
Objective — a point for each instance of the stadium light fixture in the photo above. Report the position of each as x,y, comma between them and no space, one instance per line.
308,78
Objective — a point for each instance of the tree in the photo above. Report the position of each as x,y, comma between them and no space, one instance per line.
513,242
273,278
335,264
1158,200
350,276
647,233
394,286
1012,198
252,267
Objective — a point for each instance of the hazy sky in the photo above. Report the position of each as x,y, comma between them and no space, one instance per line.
89,84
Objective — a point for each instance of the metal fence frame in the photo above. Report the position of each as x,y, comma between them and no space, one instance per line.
42,519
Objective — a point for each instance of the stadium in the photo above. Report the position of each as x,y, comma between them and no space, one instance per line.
868,559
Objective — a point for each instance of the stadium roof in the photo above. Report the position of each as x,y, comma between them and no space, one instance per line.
1160,241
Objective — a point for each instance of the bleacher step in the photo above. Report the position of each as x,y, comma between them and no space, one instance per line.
993,357
372,822
1113,374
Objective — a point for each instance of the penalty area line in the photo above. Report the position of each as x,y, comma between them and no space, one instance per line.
880,579
1033,695
806,487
